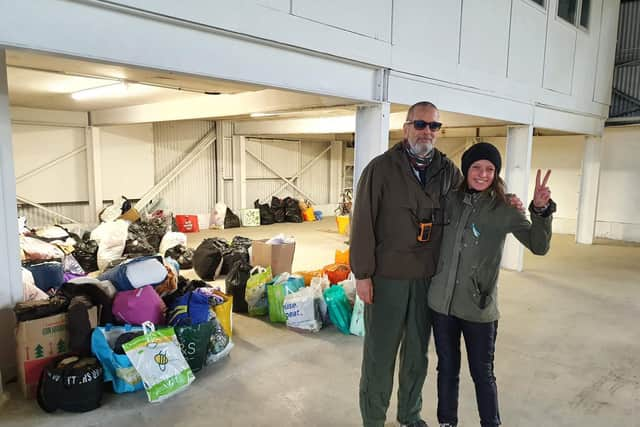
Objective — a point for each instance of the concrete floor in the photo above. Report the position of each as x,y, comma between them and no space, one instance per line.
568,354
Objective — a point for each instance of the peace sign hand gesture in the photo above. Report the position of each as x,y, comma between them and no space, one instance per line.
542,193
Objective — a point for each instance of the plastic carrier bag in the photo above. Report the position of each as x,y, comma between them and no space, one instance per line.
157,357
357,318
339,308
302,311
281,286
256,292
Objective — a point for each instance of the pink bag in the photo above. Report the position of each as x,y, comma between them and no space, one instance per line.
138,306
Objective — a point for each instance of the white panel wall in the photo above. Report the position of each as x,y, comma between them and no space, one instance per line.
194,190
366,17
459,46
415,49
618,215
127,160
288,157
606,51
315,180
527,42
34,146
559,58
485,36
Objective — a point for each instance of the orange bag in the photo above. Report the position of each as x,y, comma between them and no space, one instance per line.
308,215
342,257
308,275
336,273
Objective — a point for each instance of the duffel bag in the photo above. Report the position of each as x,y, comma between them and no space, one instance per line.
72,384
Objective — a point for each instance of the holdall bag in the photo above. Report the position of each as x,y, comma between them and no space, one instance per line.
72,384
138,306
136,273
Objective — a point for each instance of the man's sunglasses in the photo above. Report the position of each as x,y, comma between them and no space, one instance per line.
421,124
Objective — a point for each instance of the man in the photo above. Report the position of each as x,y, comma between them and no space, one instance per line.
395,241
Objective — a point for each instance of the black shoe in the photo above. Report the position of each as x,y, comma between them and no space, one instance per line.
421,423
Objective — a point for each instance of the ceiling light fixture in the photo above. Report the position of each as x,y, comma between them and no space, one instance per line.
108,91
263,114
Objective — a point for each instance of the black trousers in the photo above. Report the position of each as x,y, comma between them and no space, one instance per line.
480,340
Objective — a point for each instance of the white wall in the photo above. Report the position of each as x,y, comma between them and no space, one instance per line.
486,58
561,154
127,154
127,160
618,215
34,146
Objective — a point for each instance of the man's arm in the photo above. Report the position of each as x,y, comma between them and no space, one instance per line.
362,238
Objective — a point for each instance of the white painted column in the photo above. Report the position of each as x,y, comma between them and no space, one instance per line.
94,171
10,275
239,173
335,172
588,202
372,136
224,132
517,170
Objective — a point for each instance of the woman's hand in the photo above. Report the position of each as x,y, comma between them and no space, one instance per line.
542,193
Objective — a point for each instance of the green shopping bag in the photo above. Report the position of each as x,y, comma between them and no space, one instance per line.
194,342
339,308
256,291
283,285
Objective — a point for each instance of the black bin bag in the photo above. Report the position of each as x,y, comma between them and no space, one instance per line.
207,258
277,207
266,214
236,285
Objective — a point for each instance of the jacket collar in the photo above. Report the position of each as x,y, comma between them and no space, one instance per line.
399,156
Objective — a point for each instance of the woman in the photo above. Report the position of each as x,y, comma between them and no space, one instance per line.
463,293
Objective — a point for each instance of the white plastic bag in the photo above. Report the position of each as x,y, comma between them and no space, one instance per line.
157,357
172,239
318,285
280,239
302,311
112,239
357,318
217,216
349,287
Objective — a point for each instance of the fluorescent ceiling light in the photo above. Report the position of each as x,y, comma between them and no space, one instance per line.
264,114
108,91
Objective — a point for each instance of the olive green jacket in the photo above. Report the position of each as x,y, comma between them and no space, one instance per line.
390,203
465,284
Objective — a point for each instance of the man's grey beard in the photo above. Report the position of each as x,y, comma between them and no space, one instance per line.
421,150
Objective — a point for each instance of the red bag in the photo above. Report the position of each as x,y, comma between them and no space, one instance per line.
336,273
187,223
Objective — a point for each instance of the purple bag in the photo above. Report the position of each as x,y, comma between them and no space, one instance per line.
139,305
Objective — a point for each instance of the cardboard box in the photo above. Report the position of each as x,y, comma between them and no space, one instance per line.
279,257
37,343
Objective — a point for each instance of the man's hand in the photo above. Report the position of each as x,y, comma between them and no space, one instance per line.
515,202
364,288
542,193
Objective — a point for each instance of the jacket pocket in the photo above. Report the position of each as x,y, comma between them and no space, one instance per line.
482,298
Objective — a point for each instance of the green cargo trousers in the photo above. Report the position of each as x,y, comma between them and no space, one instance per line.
399,313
